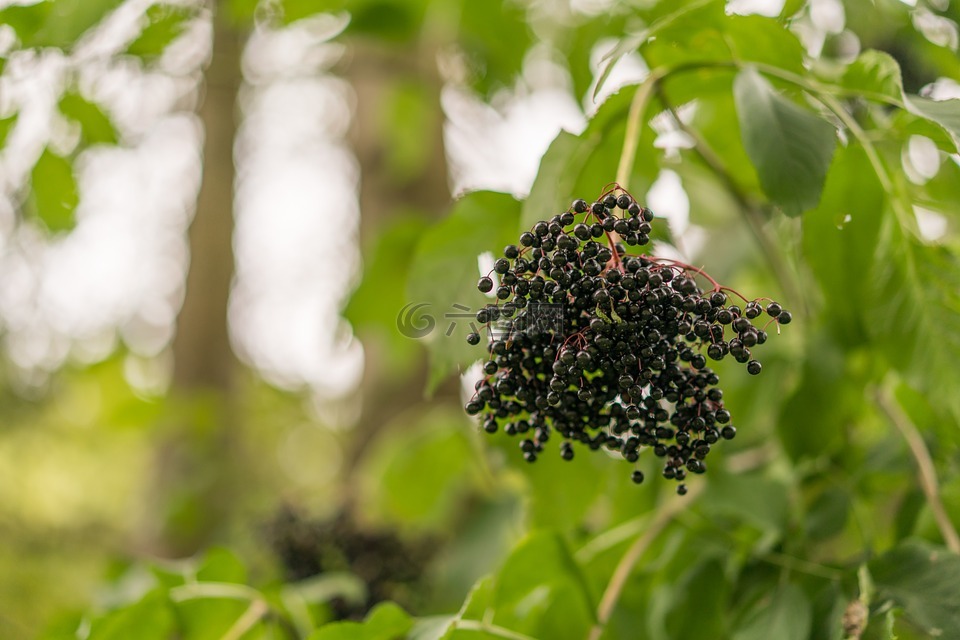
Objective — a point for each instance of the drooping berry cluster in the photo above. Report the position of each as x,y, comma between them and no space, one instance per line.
605,349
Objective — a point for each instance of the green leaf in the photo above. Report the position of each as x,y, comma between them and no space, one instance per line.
786,615
813,418
752,498
916,313
386,621
478,600
165,23
840,239
294,10
221,565
395,22
541,591
827,515
495,36
874,72
408,113
53,194
26,20
703,32
373,307
432,628
704,589
790,147
562,156
922,579
149,619
416,476
946,113
560,504
580,166
827,612
94,123
56,23
6,126
444,273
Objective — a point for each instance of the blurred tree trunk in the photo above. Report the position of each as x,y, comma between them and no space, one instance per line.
374,71
200,455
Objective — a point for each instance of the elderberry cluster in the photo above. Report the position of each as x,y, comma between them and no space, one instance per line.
606,349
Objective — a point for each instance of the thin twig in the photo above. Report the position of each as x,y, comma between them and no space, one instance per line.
925,467
253,614
631,138
618,580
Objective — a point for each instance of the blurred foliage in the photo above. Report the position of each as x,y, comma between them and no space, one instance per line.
798,167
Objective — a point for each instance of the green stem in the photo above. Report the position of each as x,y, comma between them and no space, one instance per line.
926,470
250,617
631,139
803,566
214,590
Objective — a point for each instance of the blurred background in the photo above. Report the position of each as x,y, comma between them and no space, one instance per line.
207,213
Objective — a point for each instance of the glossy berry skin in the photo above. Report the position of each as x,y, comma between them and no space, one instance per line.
623,366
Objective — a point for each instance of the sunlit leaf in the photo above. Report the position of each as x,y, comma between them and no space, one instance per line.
63,22
790,147
149,619
702,32
165,22
221,565
53,194
874,72
6,126
495,37
478,600
95,125
26,20
386,621
946,113
432,628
